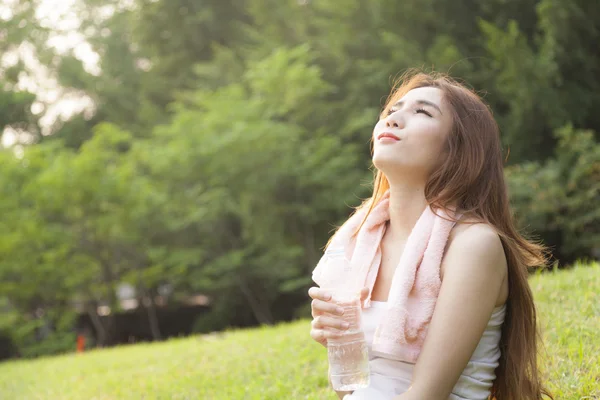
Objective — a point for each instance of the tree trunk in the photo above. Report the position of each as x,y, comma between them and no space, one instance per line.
150,306
92,311
264,303
262,313
309,245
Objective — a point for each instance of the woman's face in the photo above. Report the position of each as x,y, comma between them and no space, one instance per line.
412,137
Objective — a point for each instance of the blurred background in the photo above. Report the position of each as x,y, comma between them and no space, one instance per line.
171,167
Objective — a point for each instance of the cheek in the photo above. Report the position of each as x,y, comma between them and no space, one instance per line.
377,127
436,140
429,134
429,144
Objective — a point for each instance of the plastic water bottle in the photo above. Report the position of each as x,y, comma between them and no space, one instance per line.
348,354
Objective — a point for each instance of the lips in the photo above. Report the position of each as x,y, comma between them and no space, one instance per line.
387,135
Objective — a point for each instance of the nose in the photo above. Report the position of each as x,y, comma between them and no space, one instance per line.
394,121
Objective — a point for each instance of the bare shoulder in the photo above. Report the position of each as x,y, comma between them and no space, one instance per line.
472,231
476,246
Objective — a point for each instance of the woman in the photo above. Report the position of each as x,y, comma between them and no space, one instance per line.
436,146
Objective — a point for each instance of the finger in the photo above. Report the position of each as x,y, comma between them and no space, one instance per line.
320,306
315,313
321,335
324,322
319,294
318,335
364,293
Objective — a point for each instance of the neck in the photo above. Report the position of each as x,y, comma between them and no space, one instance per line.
407,203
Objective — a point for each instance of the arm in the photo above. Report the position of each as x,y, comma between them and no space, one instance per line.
474,270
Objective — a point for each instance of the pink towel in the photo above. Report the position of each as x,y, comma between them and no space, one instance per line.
416,282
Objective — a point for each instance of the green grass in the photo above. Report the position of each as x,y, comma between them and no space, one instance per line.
283,363
569,311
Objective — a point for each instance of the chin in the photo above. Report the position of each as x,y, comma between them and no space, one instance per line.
387,162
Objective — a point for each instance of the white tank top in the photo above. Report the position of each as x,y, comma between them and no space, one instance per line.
390,378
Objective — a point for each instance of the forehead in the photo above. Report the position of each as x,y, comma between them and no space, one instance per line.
431,94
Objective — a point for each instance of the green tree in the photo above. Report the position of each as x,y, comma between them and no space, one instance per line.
559,198
21,35
260,180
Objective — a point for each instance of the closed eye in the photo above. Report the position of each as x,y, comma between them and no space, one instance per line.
417,111
422,110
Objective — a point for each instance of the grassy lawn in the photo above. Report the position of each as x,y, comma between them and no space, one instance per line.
283,363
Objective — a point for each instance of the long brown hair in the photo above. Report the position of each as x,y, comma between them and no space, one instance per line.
472,177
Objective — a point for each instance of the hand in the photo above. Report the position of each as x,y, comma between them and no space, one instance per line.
326,323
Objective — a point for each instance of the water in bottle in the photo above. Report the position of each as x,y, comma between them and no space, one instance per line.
348,354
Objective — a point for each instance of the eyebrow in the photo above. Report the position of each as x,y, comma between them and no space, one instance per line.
400,103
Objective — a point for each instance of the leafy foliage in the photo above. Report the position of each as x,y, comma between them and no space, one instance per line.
228,138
